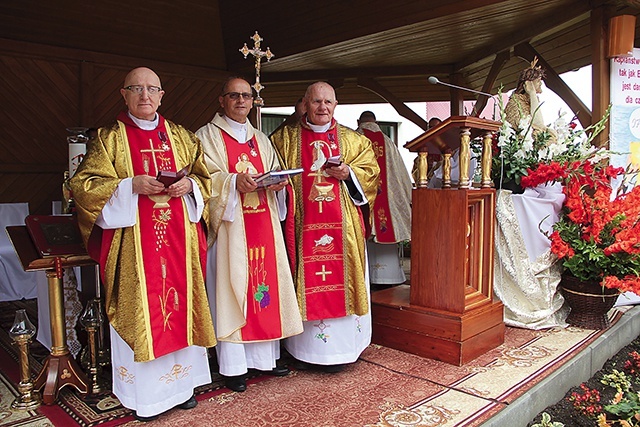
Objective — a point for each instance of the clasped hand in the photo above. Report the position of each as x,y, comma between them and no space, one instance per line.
145,184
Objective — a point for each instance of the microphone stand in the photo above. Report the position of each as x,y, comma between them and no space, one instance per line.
434,81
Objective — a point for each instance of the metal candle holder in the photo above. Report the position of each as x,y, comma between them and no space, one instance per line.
22,331
91,319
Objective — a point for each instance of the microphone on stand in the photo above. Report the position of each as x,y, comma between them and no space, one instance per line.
434,81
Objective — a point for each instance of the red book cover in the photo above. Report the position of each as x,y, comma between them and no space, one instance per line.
55,235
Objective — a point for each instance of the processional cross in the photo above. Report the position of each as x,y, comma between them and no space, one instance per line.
258,102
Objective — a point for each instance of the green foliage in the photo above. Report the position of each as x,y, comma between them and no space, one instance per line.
617,380
546,422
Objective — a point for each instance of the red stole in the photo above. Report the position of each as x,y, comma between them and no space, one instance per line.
382,223
162,246
322,228
263,308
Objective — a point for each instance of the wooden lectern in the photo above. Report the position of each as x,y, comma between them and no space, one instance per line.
448,312
60,368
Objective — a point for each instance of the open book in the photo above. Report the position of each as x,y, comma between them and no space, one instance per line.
274,177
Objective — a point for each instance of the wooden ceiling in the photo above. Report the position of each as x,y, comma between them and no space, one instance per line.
64,61
399,44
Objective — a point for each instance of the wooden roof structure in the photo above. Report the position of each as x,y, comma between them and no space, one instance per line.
63,62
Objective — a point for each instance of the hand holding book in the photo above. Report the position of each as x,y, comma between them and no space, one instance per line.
275,177
170,177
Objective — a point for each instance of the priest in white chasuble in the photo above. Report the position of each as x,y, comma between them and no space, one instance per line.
251,292
150,243
391,212
326,238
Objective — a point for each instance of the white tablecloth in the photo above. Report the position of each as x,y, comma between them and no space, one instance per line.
15,283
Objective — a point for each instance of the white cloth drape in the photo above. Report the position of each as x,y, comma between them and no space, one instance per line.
526,273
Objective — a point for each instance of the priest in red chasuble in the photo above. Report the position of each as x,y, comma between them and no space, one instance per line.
249,281
391,212
326,238
150,242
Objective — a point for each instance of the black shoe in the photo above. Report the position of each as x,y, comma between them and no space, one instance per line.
144,419
189,404
299,365
278,371
236,383
333,369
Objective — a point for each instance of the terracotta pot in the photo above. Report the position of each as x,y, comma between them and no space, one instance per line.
589,302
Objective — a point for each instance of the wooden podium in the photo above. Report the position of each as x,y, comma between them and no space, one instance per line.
60,368
448,312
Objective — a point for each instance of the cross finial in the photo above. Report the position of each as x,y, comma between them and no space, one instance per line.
258,54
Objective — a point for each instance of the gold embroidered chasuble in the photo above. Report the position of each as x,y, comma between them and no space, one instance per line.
355,150
233,265
107,162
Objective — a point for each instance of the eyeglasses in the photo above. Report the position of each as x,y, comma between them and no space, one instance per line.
137,89
236,95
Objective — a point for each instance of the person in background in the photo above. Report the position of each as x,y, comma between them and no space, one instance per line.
294,117
150,243
249,281
325,232
391,212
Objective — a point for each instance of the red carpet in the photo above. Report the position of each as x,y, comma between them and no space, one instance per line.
385,388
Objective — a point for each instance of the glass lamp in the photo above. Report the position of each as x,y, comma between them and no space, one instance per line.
22,331
91,319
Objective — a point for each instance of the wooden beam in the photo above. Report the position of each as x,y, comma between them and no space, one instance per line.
499,61
406,112
600,71
457,97
556,84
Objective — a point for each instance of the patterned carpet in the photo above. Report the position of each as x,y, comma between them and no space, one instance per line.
385,388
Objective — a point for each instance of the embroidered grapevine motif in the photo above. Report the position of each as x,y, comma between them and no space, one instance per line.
258,277
125,376
358,325
160,227
321,335
166,294
177,373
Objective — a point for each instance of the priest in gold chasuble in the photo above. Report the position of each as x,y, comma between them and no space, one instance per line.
391,213
326,239
249,281
150,243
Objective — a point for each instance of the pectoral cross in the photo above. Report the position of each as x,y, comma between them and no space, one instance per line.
153,152
258,54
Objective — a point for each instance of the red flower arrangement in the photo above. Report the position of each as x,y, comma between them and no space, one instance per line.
597,237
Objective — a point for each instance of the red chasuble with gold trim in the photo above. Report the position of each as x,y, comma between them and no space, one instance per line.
322,228
262,311
161,242
381,212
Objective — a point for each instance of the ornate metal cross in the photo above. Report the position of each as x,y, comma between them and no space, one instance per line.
258,54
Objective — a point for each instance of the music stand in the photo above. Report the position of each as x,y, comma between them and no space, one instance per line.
60,368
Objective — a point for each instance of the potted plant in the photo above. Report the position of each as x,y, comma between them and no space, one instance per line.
597,237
